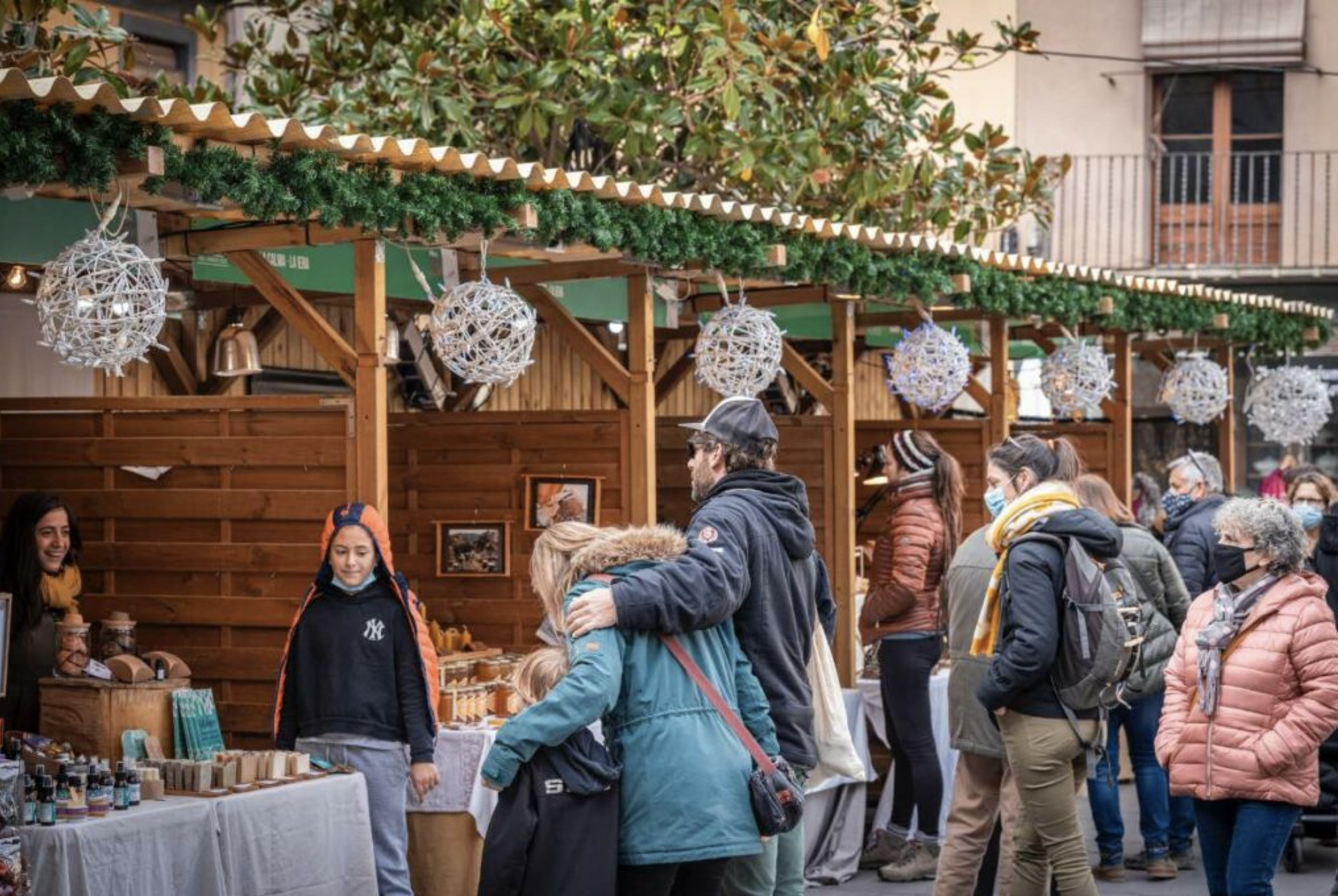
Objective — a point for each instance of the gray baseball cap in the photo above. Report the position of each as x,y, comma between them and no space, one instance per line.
738,421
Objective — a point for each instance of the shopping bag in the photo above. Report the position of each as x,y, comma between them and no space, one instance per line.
831,728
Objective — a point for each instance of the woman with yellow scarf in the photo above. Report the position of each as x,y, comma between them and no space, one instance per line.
39,550
1030,493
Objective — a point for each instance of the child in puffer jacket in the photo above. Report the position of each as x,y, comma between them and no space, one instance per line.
555,831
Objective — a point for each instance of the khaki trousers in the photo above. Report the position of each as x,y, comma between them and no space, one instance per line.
1049,767
982,790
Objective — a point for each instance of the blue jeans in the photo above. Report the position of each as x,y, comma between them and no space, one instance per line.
1140,722
1182,823
1242,841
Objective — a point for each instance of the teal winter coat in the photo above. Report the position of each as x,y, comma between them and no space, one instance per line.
685,774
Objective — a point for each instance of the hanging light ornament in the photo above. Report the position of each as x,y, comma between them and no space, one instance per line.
1195,389
102,302
739,349
1289,405
1076,379
482,331
929,367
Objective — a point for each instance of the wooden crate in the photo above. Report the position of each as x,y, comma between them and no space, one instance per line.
91,714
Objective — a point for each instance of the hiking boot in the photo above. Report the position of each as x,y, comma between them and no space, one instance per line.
1185,861
1162,868
919,862
1109,871
886,848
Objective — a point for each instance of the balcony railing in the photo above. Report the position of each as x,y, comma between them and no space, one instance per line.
1188,212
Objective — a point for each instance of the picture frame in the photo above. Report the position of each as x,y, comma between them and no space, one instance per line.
561,498
473,548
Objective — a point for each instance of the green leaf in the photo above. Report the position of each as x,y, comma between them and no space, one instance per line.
731,101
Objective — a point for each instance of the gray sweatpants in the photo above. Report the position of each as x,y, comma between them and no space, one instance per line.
385,765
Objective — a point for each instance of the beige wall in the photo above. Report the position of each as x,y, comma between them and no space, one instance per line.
988,94
1309,99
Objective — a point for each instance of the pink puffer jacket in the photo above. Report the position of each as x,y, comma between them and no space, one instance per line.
1277,701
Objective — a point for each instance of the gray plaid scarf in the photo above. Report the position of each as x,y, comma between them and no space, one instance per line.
1229,612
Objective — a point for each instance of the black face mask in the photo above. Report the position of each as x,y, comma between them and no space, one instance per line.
1230,562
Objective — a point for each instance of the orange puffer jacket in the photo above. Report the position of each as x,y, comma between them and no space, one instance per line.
1277,700
908,564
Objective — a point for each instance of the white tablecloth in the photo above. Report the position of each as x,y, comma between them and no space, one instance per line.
311,837
459,756
871,696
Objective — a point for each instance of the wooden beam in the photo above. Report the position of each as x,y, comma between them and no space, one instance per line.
1143,346
562,271
264,330
765,298
171,363
1159,360
221,240
369,390
1122,416
583,342
666,378
466,397
1226,425
810,379
299,313
842,407
641,400
979,393
907,319
1000,381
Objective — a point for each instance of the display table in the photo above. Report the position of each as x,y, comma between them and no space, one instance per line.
871,696
834,811
446,830
311,837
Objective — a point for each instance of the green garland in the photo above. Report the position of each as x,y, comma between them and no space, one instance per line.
53,144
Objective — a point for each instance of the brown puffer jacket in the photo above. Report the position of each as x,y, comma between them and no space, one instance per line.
908,565
1278,699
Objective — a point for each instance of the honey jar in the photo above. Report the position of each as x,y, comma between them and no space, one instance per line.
505,703
487,670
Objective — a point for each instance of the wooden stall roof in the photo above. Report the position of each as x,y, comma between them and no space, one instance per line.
215,122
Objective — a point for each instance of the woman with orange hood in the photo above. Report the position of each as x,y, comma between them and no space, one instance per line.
360,616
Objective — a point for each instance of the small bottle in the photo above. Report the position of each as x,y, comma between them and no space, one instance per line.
62,794
29,800
160,669
78,810
132,784
99,795
121,791
46,802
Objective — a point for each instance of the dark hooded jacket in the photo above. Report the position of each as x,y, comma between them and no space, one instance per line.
1029,634
555,830
751,556
1325,560
376,636
1190,538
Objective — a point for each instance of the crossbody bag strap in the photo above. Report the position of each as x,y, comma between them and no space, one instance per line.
704,684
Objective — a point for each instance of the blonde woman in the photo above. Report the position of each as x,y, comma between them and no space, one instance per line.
684,789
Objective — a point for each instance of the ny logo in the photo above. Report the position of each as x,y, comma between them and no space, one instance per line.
375,630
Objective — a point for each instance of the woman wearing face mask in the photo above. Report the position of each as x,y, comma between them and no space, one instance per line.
359,616
902,614
1251,692
1030,492
1312,495
39,553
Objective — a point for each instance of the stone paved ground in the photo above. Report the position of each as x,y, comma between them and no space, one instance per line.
1315,878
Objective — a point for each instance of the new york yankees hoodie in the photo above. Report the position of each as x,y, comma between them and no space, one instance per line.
355,668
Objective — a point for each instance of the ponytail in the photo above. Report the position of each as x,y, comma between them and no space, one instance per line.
1049,460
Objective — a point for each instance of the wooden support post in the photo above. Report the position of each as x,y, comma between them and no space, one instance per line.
1000,381
369,390
1226,426
667,378
842,563
299,313
1122,419
171,364
810,379
641,400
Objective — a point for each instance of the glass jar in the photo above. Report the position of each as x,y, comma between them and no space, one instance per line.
72,648
446,706
505,703
117,636
487,670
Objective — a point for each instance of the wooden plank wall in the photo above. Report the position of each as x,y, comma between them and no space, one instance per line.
1095,442
471,467
212,558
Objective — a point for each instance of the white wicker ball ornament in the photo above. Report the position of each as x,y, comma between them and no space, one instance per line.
483,332
738,352
1076,379
1289,405
101,303
929,367
1195,390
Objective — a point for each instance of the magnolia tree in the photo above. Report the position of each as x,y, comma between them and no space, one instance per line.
836,108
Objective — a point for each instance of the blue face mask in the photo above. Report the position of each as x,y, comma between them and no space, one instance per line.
1311,516
1175,504
355,589
995,502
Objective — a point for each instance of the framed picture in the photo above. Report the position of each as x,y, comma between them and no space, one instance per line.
473,548
561,499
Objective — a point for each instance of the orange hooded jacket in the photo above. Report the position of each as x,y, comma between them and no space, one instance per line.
366,516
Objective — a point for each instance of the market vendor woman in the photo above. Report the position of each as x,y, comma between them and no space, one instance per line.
358,680
39,550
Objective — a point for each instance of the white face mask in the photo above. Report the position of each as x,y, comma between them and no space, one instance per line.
995,502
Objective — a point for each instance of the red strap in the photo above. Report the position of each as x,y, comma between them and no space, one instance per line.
695,673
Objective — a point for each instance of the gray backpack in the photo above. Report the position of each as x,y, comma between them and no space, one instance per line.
1101,629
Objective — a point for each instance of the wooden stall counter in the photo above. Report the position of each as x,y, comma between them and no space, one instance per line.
91,714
